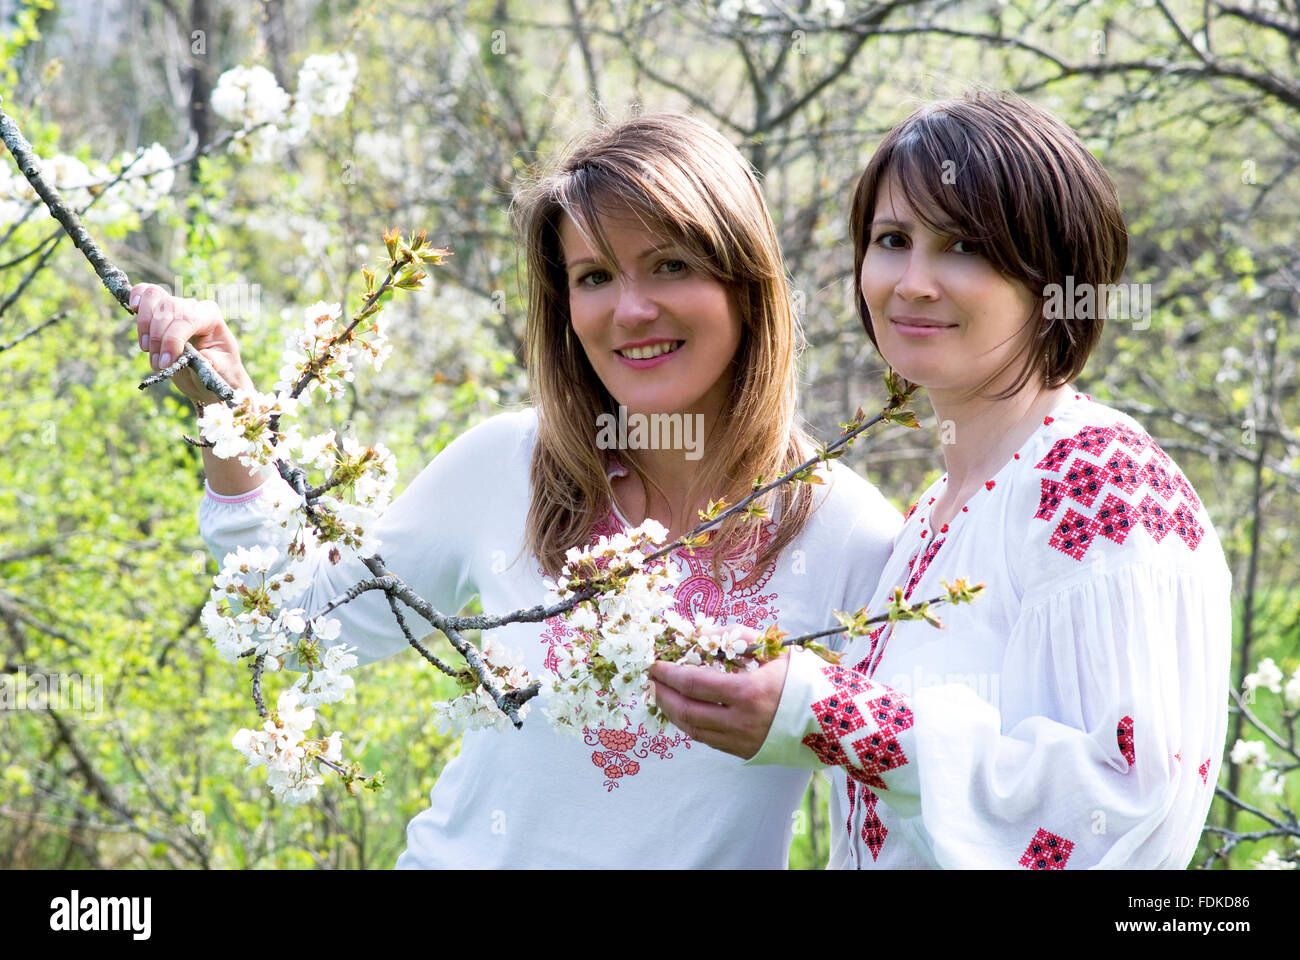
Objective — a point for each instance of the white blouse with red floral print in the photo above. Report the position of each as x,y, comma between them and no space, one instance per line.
1074,715
617,797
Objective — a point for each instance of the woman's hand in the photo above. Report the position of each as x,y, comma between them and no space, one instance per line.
166,323
731,712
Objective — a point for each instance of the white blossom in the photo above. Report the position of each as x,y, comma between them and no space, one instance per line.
1271,861
325,82
1271,783
247,96
1293,689
1266,675
1250,752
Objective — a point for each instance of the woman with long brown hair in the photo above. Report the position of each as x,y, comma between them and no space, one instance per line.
1074,716
657,301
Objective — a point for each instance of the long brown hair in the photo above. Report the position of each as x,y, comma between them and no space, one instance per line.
1017,181
686,181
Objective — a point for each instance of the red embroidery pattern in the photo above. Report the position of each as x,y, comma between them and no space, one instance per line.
614,761
873,831
1118,457
1046,851
867,717
738,600
1124,734
1205,771
917,570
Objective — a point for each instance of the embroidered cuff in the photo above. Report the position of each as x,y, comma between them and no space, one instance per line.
837,716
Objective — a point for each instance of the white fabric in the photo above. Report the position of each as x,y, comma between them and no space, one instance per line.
1008,721
534,798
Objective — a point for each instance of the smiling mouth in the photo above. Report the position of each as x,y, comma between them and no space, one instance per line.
650,352
924,324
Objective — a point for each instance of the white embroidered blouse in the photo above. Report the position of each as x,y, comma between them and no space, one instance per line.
1074,715
618,797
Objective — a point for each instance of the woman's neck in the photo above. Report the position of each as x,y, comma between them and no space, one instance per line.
670,472
978,435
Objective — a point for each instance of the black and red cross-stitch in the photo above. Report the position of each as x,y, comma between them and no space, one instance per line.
1046,851
1111,481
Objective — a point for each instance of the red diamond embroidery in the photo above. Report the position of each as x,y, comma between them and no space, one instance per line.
1073,535
1124,734
877,754
1160,480
838,715
1049,499
1186,490
891,713
1116,518
828,751
1131,438
1123,471
1046,851
1187,527
1205,770
850,682
873,831
845,712
1083,482
1059,453
1094,439
1154,518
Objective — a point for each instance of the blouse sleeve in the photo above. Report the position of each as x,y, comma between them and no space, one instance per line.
1103,752
427,538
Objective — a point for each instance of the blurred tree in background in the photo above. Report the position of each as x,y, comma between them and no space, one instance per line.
1194,108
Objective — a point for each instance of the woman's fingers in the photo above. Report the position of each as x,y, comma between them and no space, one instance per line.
695,683
144,298
693,717
165,323
728,711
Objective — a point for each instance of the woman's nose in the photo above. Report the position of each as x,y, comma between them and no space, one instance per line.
917,281
634,306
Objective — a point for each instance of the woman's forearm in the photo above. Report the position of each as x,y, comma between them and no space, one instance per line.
230,478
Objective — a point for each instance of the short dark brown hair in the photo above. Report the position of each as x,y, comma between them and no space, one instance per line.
1017,181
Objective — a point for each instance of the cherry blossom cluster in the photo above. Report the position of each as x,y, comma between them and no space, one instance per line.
1269,676
251,611
322,347
283,747
244,430
251,99
476,710
620,632
141,190
1254,753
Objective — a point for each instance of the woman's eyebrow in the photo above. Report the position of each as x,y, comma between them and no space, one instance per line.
651,251
947,227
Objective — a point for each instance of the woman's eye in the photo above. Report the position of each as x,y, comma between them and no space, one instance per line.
884,238
673,266
970,247
593,279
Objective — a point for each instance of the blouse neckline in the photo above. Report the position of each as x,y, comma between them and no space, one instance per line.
923,503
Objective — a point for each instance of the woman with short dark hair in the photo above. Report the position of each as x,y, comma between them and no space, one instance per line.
1075,715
